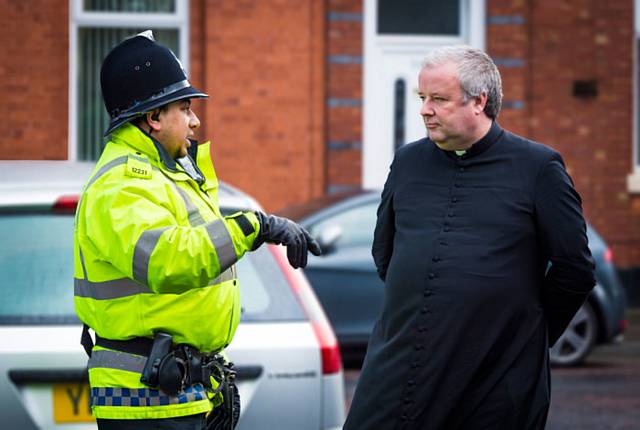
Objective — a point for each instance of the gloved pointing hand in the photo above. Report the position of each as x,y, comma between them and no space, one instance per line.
282,231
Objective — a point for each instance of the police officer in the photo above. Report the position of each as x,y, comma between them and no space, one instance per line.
154,257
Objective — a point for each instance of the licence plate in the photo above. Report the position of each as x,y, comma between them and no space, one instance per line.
71,403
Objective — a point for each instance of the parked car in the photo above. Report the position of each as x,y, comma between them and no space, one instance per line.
351,292
289,366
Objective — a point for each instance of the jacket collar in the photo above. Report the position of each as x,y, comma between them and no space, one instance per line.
141,141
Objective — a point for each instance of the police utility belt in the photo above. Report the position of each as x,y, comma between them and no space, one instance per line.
170,367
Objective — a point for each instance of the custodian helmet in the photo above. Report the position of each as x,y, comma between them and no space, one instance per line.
140,75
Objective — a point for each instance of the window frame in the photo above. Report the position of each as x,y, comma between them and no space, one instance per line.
633,179
79,18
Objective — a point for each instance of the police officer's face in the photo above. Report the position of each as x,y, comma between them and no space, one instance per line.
451,122
176,124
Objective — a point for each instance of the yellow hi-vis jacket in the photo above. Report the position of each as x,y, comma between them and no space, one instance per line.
153,253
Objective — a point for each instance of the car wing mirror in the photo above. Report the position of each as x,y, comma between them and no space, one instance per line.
328,238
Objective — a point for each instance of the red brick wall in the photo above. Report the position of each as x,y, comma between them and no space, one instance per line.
263,64
508,43
286,118
559,43
34,64
344,84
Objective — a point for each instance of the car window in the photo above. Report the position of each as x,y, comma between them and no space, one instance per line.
265,294
356,224
36,269
36,275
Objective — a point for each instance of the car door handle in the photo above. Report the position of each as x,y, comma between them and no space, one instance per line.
248,373
30,376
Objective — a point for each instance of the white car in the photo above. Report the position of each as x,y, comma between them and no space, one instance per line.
289,367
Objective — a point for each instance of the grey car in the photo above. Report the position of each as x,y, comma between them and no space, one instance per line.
347,284
289,367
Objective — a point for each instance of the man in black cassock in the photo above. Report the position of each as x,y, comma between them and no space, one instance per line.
482,245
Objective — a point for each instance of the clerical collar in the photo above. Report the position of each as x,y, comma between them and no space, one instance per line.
485,143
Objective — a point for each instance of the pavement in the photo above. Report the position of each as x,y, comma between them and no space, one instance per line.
605,392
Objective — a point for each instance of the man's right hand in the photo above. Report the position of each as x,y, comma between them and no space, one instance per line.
282,231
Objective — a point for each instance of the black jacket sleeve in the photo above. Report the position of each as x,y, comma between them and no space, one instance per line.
563,238
385,229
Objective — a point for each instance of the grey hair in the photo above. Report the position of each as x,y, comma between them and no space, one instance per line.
477,74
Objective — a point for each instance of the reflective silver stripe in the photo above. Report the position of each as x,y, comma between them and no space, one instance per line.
84,268
107,396
134,110
117,360
227,275
195,218
108,290
142,253
110,165
221,240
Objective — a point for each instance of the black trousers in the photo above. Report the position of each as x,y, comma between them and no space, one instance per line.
191,422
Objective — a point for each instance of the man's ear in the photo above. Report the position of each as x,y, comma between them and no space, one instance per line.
153,119
479,103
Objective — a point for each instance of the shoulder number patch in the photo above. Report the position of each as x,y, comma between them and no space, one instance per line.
138,167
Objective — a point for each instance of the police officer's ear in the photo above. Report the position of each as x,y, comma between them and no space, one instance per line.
153,119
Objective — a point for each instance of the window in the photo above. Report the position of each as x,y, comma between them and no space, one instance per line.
96,27
356,225
419,17
36,266
399,118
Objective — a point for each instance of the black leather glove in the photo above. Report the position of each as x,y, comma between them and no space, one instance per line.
282,231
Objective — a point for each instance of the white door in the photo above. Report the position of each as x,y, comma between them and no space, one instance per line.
397,36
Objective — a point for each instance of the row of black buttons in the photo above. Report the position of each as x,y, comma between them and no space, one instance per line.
422,328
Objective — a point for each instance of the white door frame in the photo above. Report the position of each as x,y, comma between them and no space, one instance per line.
377,128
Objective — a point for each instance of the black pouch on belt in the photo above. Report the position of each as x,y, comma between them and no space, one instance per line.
171,374
163,369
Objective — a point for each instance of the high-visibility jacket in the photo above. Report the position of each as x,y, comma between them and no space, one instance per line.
153,253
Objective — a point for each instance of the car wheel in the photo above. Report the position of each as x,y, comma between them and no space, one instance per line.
577,340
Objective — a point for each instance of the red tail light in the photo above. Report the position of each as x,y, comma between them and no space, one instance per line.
608,255
66,204
623,325
331,359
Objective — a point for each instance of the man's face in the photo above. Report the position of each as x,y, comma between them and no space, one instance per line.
176,124
451,122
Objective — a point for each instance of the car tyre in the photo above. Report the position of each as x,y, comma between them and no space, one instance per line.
578,339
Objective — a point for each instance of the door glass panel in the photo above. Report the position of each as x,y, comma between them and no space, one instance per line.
419,17
399,114
146,6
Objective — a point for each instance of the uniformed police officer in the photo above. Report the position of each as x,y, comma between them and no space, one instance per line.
154,257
